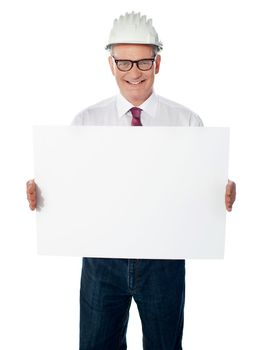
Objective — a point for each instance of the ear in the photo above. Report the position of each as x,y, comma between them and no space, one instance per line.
111,63
157,64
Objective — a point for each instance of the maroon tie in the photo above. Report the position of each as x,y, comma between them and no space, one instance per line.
135,111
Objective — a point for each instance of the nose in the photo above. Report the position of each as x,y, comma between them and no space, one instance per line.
134,71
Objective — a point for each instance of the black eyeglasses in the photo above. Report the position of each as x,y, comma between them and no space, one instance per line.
126,65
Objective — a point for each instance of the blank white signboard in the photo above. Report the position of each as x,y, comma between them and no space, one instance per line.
124,192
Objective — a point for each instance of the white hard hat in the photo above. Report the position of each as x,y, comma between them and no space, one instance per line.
132,28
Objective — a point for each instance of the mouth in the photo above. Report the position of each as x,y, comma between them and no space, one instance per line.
135,83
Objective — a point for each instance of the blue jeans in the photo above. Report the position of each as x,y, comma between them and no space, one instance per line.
107,288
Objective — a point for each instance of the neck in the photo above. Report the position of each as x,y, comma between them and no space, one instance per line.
136,101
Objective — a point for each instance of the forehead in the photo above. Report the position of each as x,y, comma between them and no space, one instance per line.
132,51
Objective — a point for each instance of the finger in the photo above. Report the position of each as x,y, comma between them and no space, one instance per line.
231,188
32,205
31,191
228,203
230,197
30,182
31,187
31,196
233,192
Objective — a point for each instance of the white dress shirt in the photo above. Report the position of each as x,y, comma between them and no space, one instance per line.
156,111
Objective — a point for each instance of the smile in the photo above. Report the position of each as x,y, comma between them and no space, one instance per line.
135,82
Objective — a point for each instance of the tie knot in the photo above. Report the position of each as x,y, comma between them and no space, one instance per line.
135,111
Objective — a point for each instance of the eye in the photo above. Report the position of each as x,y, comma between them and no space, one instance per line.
124,64
145,64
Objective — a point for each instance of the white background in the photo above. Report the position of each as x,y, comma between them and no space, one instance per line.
53,65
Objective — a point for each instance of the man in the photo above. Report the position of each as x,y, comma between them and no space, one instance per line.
108,285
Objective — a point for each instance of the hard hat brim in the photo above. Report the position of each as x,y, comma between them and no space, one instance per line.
137,42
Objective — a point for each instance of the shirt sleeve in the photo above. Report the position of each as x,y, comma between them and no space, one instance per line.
78,120
195,120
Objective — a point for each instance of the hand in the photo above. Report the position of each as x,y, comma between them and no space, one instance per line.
31,194
230,195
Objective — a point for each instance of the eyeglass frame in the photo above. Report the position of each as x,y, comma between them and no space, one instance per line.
137,63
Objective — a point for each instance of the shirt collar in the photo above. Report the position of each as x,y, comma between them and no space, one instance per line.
149,106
